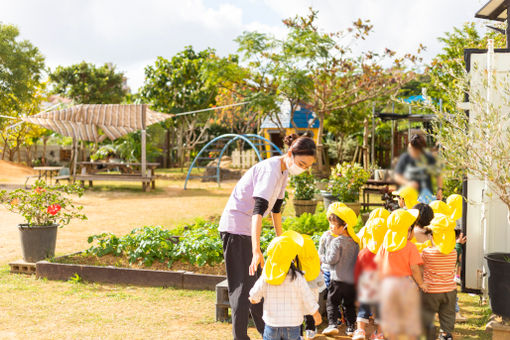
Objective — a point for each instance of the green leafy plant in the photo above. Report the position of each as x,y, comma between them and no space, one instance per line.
307,223
144,245
346,181
304,186
75,279
44,205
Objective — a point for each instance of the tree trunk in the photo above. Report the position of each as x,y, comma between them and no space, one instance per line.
166,153
28,155
320,158
340,149
45,141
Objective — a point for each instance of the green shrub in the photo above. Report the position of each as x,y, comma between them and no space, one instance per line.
304,186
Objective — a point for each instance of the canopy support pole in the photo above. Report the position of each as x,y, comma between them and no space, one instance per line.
144,146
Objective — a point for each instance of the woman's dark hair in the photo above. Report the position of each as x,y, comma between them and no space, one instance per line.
295,267
426,215
338,220
300,146
418,142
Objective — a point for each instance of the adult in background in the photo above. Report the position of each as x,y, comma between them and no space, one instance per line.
416,168
260,191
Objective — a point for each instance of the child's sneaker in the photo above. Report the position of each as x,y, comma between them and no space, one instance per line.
310,334
359,334
331,330
377,336
350,330
445,336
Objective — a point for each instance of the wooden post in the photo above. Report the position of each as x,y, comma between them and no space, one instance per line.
365,144
372,149
144,142
409,127
392,141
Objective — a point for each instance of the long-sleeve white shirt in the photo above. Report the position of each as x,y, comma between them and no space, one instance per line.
285,305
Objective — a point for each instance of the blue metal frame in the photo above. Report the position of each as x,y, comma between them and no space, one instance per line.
233,137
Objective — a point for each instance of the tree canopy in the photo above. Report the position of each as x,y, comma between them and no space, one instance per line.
21,70
86,83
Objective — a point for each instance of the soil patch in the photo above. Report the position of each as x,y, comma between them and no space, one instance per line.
122,262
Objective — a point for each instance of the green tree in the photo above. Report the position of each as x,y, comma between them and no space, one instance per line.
180,84
448,66
21,89
317,67
86,83
21,68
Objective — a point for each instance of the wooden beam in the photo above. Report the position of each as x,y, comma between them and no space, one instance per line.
144,141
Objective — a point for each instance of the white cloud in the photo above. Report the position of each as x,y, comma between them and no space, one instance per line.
132,33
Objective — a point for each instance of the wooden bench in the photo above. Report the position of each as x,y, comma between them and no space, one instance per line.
147,182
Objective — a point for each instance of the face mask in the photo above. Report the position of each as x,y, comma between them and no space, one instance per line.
295,169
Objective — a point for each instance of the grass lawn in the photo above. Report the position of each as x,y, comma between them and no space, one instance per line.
41,309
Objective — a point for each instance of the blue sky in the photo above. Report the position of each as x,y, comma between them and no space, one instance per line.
132,33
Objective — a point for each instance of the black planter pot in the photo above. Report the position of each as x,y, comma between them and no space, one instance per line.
37,242
328,198
499,283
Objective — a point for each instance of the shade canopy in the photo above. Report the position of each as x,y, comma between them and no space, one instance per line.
85,121
493,10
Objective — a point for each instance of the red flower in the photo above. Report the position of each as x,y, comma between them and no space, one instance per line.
53,209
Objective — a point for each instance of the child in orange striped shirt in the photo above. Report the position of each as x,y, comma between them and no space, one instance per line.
439,262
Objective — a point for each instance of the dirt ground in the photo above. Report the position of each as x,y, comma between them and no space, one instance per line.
43,309
117,210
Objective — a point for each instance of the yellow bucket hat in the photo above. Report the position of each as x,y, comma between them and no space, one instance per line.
421,246
409,194
309,259
379,212
398,224
376,213
375,230
347,215
295,236
443,233
455,203
280,253
440,207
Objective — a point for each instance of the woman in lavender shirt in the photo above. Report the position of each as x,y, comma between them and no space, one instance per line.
260,191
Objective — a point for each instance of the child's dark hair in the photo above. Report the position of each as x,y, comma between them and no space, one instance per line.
336,220
300,146
295,268
426,215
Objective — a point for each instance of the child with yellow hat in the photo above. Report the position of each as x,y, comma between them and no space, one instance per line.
287,296
341,256
438,273
309,262
455,202
365,274
407,197
398,264
324,241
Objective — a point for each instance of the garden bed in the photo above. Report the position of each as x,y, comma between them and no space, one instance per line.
118,270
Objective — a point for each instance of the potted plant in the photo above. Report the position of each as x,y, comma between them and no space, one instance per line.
304,193
345,184
44,208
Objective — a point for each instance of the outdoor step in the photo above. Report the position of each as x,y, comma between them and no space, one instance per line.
22,267
222,303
